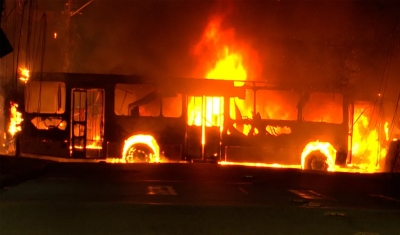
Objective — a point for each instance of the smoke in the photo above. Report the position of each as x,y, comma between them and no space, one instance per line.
332,42
150,38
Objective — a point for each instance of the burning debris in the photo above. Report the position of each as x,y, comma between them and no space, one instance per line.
14,126
15,119
368,147
24,74
141,148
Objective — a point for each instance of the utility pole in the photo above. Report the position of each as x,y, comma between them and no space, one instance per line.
67,10
69,13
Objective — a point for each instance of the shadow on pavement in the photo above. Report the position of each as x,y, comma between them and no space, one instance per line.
14,170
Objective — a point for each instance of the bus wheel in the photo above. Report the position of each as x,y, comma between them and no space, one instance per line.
316,161
139,153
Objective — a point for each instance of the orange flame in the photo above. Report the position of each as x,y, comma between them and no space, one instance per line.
367,149
325,148
387,131
143,139
217,45
15,119
24,74
223,57
229,67
220,54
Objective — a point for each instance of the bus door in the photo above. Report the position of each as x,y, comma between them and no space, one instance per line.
204,127
87,123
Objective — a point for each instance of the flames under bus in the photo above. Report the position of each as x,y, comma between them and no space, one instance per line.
100,117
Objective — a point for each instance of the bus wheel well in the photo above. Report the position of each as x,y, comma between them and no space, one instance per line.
316,161
139,152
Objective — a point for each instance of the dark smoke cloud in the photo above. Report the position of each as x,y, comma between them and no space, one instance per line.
140,37
342,42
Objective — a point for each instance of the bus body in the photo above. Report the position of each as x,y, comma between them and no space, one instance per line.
93,116
286,120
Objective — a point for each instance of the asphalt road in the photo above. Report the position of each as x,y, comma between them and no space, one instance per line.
199,199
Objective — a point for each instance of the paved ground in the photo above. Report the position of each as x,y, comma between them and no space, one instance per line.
198,199
14,170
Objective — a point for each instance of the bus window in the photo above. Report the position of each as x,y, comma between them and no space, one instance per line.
277,105
239,110
136,100
242,108
45,97
48,123
172,106
324,107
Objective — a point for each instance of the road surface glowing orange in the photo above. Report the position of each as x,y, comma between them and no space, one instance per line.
325,148
259,164
15,119
143,139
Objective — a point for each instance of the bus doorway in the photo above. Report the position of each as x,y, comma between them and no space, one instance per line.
204,127
87,123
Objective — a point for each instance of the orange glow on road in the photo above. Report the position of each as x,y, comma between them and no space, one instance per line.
259,164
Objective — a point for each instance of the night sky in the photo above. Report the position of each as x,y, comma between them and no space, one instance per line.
355,43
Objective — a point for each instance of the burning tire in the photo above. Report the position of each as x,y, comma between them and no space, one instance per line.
316,161
139,153
141,148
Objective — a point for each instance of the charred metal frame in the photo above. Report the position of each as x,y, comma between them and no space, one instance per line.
287,148
173,133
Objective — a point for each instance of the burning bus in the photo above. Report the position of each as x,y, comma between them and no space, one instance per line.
225,117
133,119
